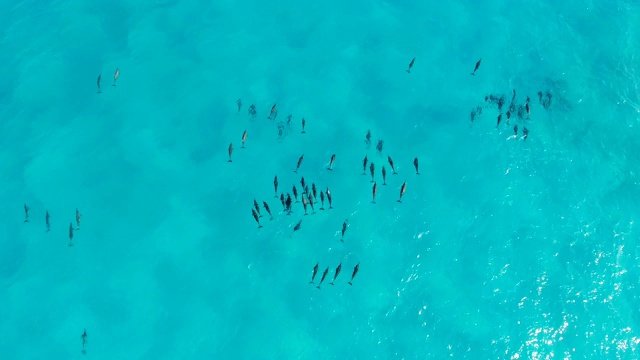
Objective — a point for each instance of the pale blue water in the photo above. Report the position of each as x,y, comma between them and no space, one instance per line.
501,248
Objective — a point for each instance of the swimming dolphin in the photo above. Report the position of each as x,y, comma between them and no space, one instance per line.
304,204
313,209
324,276
374,192
411,65
296,227
393,168
355,272
299,163
275,185
266,207
78,217
84,341
364,165
384,176
26,213
70,234
315,272
295,193
372,169
255,216
333,159
344,229
336,274
257,207
322,200
115,77
477,66
402,189
274,112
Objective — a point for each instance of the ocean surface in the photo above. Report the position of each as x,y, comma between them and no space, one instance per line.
503,247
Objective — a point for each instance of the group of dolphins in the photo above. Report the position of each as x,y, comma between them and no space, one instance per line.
335,274
115,78
516,110
47,222
310,195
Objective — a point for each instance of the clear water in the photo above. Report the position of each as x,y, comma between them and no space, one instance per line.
501,248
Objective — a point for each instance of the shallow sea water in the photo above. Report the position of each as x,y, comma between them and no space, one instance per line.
501,248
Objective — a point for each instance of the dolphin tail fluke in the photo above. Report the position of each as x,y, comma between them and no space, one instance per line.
350,283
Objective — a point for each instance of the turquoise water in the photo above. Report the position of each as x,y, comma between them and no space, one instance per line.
501,249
